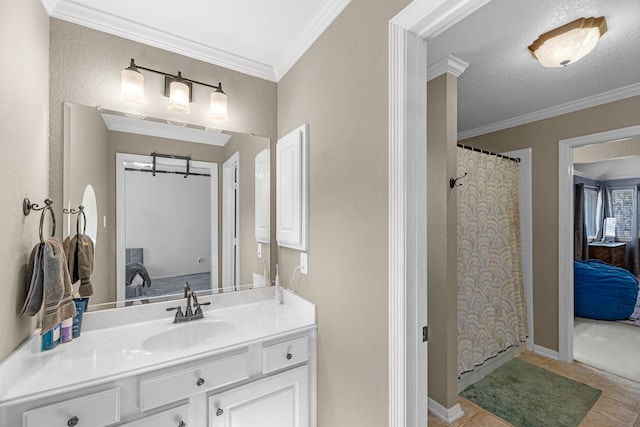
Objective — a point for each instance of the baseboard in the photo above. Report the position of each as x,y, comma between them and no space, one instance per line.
449,415
543,351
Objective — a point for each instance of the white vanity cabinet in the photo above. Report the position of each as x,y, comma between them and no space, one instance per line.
281,400
260,371
265,383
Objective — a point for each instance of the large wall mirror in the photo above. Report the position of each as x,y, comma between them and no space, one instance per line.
170,205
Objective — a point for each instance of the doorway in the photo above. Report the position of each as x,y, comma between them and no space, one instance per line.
565,230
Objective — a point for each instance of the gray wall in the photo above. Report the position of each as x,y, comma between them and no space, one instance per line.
340,87
24,163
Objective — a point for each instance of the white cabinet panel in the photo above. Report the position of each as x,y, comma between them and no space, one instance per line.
285,354
159,390
292,189
263,196
278,401
95,410
175,417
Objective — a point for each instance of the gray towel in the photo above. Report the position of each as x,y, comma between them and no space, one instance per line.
49,284
79,251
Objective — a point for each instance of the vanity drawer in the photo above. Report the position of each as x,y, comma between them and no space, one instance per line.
285,354
160,390
171,418
94,410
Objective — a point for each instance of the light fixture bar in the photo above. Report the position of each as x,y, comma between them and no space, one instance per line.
172,76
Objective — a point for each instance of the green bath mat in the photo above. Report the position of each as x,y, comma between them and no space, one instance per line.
528,396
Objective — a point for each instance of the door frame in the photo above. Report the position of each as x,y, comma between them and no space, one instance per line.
231,223
565,229
409,32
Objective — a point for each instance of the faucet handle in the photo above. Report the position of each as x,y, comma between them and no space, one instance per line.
199,307
179,313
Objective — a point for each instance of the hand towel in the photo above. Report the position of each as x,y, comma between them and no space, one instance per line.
49,284
80,256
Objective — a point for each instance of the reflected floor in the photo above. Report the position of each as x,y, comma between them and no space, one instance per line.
175,285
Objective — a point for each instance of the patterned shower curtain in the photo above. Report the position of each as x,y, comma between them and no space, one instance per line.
491,307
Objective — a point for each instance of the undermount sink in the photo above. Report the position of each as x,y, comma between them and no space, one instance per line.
187,335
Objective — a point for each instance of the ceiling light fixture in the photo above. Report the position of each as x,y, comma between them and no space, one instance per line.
177,88
567,44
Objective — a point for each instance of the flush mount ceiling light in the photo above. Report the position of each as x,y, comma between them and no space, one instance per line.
178,89
567,44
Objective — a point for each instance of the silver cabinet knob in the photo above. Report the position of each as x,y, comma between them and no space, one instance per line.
200,382
289,356
73,421
219,412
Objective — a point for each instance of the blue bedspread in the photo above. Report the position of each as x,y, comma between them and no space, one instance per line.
603,291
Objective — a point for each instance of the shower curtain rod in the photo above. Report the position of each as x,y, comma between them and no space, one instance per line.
479,150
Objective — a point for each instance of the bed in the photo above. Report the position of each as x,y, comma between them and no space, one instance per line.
603,291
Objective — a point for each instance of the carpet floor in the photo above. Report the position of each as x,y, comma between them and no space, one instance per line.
529,396
610,346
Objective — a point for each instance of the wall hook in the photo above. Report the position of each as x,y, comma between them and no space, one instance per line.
453,181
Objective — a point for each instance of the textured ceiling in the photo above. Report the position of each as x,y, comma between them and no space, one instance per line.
503,81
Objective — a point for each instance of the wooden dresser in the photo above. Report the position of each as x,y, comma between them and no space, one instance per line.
614,253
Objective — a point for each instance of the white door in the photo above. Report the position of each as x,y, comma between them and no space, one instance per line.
278,401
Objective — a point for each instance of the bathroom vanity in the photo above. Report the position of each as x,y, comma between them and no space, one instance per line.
248,362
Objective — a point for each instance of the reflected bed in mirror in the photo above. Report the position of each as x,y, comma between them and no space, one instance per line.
205,227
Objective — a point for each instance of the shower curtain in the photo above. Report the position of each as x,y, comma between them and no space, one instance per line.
491,307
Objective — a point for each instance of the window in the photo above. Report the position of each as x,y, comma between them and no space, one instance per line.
590,202
622,202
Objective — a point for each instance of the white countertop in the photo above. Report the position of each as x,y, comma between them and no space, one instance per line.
106,354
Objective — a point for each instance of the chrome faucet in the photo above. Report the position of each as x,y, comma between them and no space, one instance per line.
192,302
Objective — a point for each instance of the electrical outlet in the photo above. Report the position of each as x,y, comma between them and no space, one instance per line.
303,262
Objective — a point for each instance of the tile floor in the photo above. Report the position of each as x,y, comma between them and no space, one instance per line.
618,406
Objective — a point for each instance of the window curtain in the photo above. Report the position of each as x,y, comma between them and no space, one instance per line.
604,208
491,306
633,251
581,250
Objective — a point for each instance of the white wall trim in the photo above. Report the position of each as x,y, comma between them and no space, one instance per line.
231,223
118,122
569,107
543,351
449,64
408,199
313,30
82,14
449,415
565,229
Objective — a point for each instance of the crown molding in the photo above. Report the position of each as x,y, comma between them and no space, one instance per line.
312,31
449,64
569,107
78,13
121,123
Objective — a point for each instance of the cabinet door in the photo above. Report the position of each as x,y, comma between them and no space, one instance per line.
292,190
278,401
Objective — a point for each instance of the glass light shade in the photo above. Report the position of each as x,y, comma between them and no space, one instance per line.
132,86
179,97
218,105
569,43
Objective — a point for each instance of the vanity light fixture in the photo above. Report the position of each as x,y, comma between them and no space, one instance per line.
178,89
568,43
